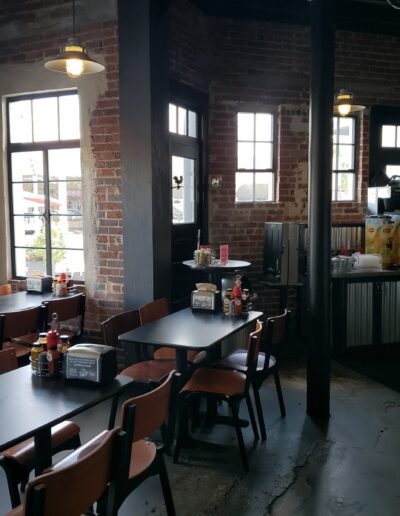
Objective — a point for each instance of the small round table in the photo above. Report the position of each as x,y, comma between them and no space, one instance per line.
216,269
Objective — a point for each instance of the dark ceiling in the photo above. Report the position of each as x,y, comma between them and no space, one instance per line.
375,16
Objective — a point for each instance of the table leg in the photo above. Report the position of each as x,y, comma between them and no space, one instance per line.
42,440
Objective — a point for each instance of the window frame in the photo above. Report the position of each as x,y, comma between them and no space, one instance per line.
254,171
44,147
353,171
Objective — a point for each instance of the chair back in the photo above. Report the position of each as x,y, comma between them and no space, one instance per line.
154,310
8,360
118,324
275,333
5,289
68,308
151,410
70,487
21,322
253,350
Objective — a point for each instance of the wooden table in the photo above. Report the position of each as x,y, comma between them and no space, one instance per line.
31,405
186,330
24,300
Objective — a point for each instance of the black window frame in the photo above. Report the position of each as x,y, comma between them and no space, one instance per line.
44,147
352,171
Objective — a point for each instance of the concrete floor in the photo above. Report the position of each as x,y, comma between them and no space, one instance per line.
349,467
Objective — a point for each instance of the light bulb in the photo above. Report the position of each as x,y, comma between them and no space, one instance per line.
344,109
74,67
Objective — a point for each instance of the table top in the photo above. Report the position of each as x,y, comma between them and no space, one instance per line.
229,265
188,329
24,300
29,403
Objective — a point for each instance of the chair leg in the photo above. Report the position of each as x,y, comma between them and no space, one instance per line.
251,414
165,486
182,427
260,414
235,415
279,392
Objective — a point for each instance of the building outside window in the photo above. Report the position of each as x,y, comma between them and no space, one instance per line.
255,175
45,184
343,159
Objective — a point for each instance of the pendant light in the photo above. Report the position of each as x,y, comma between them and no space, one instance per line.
344,103
73,59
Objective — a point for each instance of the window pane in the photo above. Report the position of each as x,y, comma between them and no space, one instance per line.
345,187
388,136
346,158
28,198
20,121
69,261
65,164
245,155
245,126
66,232
69,117
45,119
192,124
392,170
182,128
264,186
29,231
30,261
65,198
334,157
172,118
263,156
183,202
263,127
335,129
334,192
244,187
346,130
27,166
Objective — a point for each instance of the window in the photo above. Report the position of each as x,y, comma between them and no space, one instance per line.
343,159
45,184
254,180
183,126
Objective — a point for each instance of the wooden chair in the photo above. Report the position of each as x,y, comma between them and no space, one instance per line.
153,311
5,289
151,410
74,484
20,329
274,334
223,385
148,373
19,460
68,308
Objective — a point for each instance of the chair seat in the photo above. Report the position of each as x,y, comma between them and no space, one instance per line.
150,370
143,455
24,452
20,349
164,353
237,361
27,340
216,381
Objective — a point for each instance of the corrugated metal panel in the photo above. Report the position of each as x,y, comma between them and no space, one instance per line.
390,312
359,314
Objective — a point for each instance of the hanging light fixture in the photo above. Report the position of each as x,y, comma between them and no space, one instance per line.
344,103
73,59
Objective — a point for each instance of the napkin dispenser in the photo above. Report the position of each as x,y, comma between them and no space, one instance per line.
95,363
39,284
206,298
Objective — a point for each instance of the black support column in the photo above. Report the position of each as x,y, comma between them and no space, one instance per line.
144,97
319,206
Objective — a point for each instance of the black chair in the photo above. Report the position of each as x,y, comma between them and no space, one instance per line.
274,334
222,385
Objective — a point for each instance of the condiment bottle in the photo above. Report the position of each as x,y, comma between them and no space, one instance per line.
36,350
227,300
237,294
55,323
245,300
52,355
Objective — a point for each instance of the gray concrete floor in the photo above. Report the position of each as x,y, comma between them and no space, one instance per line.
349,466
